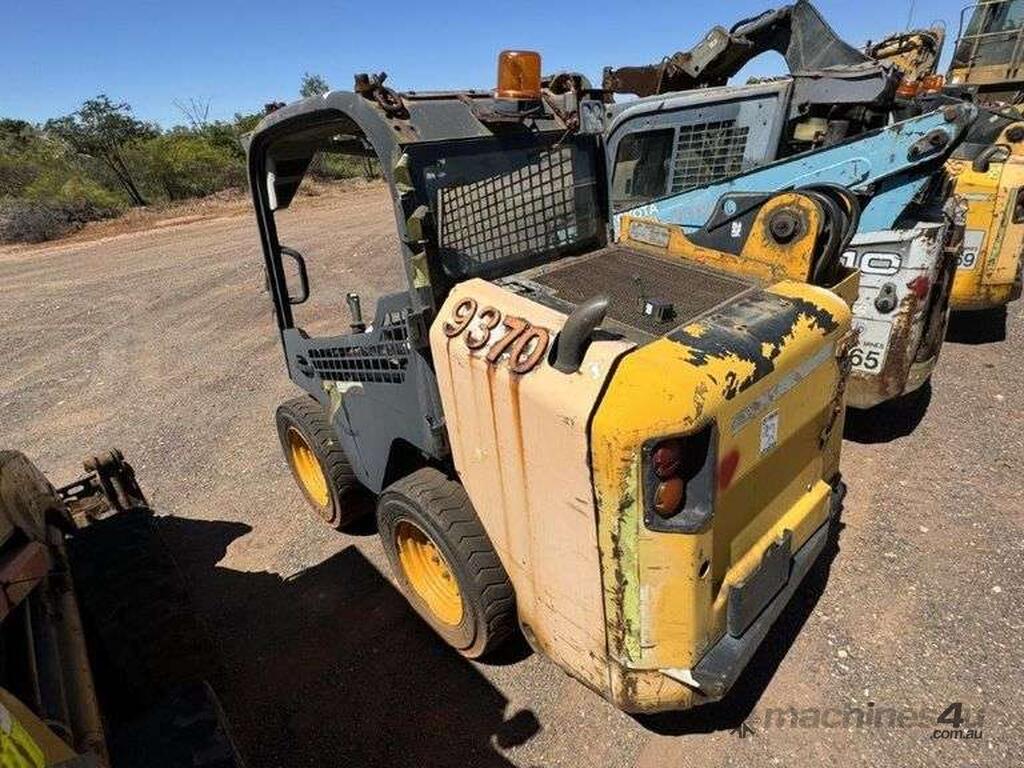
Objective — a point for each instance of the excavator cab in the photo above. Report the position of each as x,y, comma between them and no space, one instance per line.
989,50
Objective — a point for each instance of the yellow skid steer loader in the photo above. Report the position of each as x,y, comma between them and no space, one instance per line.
628,449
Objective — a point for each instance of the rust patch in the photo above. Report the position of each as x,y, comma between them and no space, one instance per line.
619,624
893,376
700,396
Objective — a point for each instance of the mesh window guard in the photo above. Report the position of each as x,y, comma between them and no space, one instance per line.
383,361
534,211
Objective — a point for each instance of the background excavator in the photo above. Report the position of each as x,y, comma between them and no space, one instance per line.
989,51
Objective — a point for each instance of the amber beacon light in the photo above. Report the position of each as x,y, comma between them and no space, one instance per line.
518,75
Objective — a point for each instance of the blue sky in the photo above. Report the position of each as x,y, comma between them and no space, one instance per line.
238,55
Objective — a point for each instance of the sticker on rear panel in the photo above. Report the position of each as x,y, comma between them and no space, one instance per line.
872,345
769,431
968,258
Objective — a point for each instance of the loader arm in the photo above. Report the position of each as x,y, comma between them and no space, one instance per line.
897,162
797,32
904,243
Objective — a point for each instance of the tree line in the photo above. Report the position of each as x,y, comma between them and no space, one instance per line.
101,159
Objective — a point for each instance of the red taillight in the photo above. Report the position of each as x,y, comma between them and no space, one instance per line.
678,481
667,457
670,490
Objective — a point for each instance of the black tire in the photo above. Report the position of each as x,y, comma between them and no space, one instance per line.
307,418
440,508
145,637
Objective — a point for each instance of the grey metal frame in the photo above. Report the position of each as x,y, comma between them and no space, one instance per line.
367,417
379,386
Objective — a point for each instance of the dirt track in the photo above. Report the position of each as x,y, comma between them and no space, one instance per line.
163,344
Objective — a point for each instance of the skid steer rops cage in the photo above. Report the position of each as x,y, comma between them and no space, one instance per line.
469,203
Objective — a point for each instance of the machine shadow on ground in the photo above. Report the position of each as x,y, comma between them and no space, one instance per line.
332,666
732,711
984,327
890,420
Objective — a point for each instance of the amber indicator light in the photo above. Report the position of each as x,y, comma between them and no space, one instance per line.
518,76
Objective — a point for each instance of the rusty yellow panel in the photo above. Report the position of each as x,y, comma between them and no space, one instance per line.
991,259
848,288
643,690
761,258
915,55
664,607
519,442
1003,265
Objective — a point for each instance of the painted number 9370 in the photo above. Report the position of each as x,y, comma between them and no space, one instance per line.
525,344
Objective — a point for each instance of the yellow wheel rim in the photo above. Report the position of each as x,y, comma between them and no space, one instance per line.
429,573
307,468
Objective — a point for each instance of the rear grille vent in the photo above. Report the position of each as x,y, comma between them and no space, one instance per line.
383,361
624,275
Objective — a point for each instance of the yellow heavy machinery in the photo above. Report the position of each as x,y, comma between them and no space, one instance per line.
989,51
629,448
988,170
988,166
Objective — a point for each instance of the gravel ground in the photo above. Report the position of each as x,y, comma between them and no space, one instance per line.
162,343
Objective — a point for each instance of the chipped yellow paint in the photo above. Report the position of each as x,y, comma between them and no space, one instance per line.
666,615
626,610
761,257
990,198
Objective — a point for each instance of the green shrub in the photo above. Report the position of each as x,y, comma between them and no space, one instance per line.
181,165
59,185
16,173
329,165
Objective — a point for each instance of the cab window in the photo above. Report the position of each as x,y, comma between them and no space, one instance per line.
641,170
